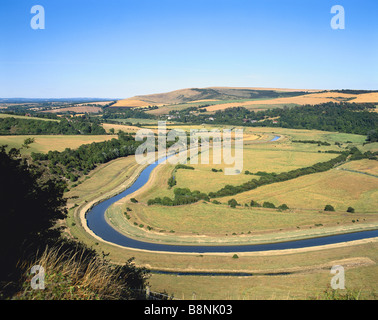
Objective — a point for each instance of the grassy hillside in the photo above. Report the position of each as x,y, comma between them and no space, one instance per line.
218,98
205,94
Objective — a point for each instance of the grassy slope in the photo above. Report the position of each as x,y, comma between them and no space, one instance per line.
44,143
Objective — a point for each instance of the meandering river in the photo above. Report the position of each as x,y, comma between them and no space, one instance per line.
97,223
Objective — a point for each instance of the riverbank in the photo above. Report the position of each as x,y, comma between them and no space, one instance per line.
148,240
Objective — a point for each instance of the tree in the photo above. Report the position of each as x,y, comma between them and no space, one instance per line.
283,207
171,182
350,209
328,207
254,204
232,203
27,142
31,205
372,136
267,204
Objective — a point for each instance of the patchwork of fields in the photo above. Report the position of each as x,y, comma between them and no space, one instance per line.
305,196
352,184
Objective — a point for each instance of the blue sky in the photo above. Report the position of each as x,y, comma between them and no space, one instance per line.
122,48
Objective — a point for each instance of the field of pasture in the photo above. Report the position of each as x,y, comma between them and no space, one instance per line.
46,143
306,196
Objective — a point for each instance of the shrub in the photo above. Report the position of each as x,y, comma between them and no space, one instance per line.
133,200
183,166
171,182
350,209
232,203
328,207
267,204
283,207
254,204
235,256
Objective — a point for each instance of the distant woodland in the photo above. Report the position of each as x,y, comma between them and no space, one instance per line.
17,126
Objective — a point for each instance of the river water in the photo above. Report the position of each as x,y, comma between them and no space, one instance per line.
97,223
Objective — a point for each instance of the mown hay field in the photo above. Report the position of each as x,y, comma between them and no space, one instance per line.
314,98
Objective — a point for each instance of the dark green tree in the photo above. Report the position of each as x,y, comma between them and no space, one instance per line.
328,207
31,206
232,203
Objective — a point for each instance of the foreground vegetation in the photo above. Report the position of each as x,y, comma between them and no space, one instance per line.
73,270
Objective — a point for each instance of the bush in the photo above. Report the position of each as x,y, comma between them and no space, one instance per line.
267,204
235,256
283,207
350,209
183,166
328,207
232,203
254,204
171,182
133,200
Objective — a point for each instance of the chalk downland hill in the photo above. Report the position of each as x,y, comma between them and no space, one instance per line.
208,94
220,98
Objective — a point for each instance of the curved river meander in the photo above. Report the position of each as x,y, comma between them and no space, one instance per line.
97,223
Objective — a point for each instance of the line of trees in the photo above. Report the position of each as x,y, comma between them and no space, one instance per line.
265,179
172,180
185,196
182,196
319,143
268,178
125,113
71,163
74,126
340,117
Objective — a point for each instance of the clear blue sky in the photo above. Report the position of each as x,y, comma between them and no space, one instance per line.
121,48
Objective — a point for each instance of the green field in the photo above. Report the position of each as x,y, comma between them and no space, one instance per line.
305,196
205,222
45,143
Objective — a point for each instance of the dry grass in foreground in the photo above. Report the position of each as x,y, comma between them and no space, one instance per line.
73,275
